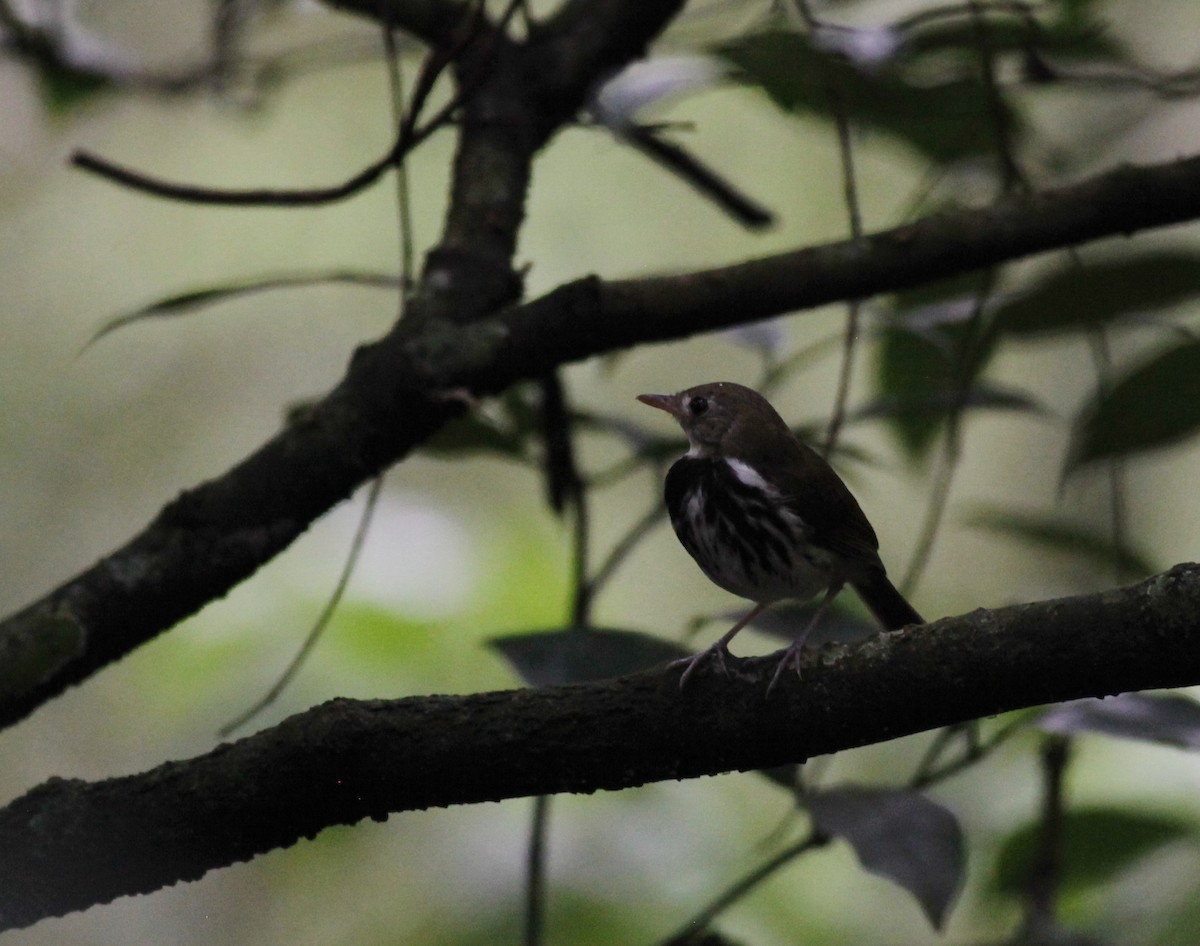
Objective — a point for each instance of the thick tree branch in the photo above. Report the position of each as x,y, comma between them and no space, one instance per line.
591,317
394,394
69,844
432,21
394,397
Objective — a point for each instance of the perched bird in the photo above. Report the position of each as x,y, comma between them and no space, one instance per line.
765,517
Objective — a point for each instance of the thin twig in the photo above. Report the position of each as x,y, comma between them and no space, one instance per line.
403,202
854,307
704,180
323,619
626,544
535,872
1045,873
408,137
948,459
1010,171
701,920
1115,467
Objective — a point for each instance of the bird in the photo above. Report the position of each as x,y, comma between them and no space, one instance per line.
766,517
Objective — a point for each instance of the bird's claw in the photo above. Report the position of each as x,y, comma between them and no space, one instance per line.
689,664
790,658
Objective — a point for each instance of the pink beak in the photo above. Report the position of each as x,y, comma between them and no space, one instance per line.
671,403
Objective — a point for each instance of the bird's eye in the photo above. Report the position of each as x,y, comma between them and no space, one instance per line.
698,405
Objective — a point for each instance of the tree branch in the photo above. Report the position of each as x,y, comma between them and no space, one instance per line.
394,396
69,844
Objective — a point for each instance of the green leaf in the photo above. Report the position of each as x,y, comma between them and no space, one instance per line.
1055,535
1172,720
1155,404
900,835
947,121
1071,37
911,364
64,88
1098,844
1080,296
930,356
582,654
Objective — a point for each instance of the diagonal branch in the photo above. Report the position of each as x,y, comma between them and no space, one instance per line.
69,844
394,396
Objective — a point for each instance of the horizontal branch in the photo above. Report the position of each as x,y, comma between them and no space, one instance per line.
400,390
602,316
69,844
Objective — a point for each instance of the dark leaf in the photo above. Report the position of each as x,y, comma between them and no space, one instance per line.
507,433
922,388
1155,404
948,120
582,654
786,776
936,404
1073,37
1094,294
1057,536
1173,719
64,88
911,365
473,433
900,835
786,621
185,302
1098,843
931,354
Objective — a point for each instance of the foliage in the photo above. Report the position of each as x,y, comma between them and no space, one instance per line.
961,91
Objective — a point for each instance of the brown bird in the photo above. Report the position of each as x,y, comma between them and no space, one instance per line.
765,517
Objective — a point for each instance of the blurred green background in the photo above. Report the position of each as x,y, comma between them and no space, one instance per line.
93,442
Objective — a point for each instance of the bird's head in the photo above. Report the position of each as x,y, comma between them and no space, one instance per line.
721,419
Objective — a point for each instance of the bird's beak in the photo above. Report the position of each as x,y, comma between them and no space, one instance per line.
671,403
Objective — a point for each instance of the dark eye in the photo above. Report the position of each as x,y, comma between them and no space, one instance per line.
698,405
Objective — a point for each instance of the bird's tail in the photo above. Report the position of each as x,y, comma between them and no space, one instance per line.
891,609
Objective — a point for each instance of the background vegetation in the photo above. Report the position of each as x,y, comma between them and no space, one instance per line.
1012,398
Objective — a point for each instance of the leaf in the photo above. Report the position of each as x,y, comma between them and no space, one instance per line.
1172,720
1097,293
1054,535
1155,404
64,87
909,365
931,354
184,302
922,389
1073,37
582,654
786,621
1097,845
473,433
948,120
507,433
938,403
900,835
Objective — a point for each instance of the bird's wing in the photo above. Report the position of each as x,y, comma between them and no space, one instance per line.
814,491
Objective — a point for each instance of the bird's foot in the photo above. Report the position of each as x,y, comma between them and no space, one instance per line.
716,652
791,658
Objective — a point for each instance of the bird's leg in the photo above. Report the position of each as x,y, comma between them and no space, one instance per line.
792,653
718,649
